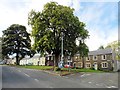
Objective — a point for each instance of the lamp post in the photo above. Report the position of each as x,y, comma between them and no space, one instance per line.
69,60
62,47
60,64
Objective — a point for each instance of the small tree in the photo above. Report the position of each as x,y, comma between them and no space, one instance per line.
83,50
101,47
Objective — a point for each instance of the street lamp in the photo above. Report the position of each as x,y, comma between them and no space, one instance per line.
62,47
60,64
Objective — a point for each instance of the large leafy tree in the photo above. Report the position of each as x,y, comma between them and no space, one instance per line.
16,41
48,25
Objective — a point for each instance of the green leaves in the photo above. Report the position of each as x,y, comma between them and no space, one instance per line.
48,25
16,40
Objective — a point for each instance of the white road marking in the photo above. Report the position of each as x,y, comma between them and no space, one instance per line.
36,80
111,87
85,75
89,82
82,75
99,84
27,75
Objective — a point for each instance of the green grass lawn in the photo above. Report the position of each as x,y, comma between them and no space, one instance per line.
63,69
37,67
82,70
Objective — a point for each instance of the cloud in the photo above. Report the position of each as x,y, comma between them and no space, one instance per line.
98,38
16,12
101,22
100,18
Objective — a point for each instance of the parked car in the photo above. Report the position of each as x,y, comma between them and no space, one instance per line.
68,66
1,63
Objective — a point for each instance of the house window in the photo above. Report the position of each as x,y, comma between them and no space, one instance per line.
88,65
94,57
88,58
94,63
103,57
80,64
104,64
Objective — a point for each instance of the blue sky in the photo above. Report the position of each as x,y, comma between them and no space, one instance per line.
100,16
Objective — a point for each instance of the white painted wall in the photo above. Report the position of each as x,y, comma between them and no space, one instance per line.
33,60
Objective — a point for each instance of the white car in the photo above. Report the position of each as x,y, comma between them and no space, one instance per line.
1,62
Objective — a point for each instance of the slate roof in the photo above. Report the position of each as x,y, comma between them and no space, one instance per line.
100,51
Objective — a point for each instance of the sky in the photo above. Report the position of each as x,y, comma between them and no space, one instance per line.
100,17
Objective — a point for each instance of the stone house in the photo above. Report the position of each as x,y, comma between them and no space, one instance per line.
102,59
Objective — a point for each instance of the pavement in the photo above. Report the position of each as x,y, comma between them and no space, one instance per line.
13,77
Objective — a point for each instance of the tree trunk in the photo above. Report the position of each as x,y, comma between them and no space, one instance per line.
83,62
17,60
56,60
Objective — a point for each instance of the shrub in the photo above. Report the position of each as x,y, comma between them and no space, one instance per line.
58,69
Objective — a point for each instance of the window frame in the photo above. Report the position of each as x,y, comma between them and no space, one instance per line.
88,58
103,57
94,57
86,65
103,65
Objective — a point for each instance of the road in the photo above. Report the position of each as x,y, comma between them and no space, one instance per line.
0,77
13,77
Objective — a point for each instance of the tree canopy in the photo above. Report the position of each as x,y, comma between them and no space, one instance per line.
101,47
48,25
16,40
115,45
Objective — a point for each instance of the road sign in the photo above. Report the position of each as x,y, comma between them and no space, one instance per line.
60,64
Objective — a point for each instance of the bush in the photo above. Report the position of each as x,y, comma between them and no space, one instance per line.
58,69
92,68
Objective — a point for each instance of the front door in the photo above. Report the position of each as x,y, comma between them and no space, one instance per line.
95,66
